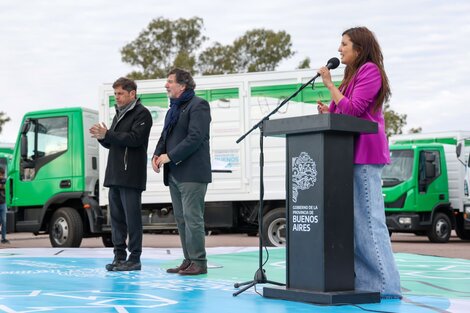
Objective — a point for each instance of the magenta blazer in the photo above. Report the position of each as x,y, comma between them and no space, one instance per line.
358,101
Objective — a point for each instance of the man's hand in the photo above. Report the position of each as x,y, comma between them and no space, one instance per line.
158,161
98,131
154,164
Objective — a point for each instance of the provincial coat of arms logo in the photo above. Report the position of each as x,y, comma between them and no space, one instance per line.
304,174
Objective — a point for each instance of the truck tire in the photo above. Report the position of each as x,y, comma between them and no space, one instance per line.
462,233
274,228
440,229
107,240
66,228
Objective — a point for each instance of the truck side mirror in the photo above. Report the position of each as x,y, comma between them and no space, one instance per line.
24,146
458,149
25,163
24,140
26,126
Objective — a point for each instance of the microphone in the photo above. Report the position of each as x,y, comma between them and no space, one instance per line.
331,65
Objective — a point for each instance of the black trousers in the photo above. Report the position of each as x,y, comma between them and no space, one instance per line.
125,208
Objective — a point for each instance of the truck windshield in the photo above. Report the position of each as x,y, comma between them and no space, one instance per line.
399,169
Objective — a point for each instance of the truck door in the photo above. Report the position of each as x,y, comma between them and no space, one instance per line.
430,188
45,168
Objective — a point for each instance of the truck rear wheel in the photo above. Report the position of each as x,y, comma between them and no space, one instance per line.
274,228
66,228
441,228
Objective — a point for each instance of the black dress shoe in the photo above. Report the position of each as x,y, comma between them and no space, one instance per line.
184,265
128,266
110,267
194,269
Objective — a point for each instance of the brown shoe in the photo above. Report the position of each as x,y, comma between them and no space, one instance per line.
193,269
184,265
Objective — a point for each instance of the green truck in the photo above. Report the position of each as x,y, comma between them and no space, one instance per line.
54,183
53,177
425,186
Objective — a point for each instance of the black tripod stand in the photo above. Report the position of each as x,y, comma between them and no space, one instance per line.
260,274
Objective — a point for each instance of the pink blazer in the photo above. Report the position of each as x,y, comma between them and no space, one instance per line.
358,101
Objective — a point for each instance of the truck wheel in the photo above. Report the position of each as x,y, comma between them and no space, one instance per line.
441,228
66,228
274,228
462,233
107,240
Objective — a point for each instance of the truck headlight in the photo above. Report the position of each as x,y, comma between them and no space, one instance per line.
404,220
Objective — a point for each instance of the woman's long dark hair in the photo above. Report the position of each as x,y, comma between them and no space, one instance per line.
368,48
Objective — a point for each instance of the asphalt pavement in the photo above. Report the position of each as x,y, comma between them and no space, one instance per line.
401,243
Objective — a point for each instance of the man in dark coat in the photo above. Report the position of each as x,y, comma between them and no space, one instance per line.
183,149
126,172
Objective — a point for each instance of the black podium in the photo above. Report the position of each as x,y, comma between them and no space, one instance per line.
320,212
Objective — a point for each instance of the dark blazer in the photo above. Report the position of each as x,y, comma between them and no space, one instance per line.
127,140
187,144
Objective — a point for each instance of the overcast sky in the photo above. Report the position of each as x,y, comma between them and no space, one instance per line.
57,53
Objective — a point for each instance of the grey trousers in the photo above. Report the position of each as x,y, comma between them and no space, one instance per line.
125,208
188,206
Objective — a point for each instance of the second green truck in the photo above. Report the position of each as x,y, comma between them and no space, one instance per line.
426,185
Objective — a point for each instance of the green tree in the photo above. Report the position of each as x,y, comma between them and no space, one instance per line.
257,50
164,44
3,120
416,130
305,63
394,122
261,50
217,59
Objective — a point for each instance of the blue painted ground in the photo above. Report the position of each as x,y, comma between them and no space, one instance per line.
74,280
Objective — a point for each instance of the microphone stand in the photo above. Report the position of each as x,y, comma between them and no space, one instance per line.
260,275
